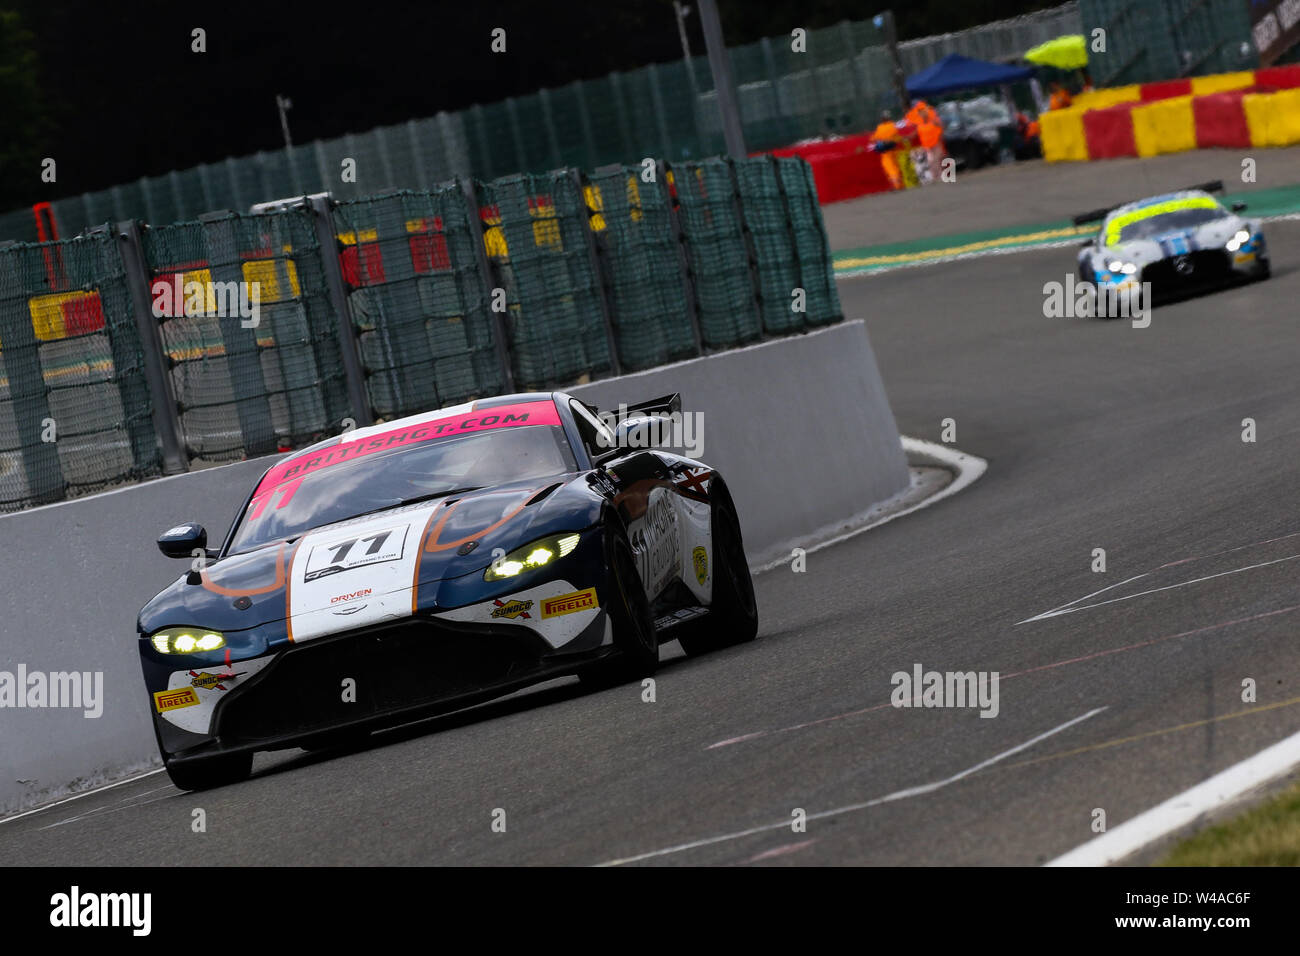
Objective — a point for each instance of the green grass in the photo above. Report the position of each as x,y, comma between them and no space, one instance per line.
1268,835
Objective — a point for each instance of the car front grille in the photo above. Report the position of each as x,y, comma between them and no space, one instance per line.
1194,268
392,667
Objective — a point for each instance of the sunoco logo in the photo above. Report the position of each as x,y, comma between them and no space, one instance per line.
512,609
208,681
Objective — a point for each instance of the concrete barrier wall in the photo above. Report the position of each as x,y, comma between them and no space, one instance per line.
800,427
76,575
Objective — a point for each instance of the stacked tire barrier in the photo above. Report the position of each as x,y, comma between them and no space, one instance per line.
1258,108
136,350
241,389
75,410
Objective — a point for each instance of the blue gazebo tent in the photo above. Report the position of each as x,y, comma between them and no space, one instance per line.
956,72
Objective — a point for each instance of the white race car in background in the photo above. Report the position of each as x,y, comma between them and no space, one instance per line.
1178,242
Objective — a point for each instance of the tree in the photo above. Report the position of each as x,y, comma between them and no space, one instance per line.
23,124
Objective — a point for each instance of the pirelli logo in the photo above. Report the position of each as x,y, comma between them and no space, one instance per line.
569,603
166,700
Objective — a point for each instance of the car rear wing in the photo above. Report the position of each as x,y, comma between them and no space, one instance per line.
1096,215
1213,186
664,405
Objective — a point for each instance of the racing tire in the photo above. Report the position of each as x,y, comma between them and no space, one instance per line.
212,772
635,640
733,615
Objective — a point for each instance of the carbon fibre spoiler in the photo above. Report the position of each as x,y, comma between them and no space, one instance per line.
664,404
1096,215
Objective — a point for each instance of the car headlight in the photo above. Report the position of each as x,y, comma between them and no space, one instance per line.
1117,265
186,640
1237,241
533,555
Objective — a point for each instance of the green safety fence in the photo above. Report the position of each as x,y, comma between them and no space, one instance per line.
18,225
1151,40
418,299
831,80
634,227
826,81
1001,41
247,380
75,412
540,243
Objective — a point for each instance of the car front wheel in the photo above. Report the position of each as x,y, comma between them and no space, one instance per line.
733,615
635,640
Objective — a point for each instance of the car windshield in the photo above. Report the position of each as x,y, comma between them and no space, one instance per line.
412,472
1175,221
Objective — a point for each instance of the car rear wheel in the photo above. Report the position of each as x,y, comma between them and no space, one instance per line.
635,640
211,772
733,616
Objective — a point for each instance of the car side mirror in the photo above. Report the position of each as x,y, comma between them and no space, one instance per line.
1238,207
183,540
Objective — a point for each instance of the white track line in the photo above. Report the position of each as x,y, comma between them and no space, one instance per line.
78,796
115,808
968,468
854,807
1176,812
1066,609
1039,617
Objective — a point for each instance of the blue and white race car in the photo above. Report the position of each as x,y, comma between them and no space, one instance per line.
433,562
1179,242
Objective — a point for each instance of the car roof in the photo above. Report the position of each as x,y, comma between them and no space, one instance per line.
1128,213
1162,198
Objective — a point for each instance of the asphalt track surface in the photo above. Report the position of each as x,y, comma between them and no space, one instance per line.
1098,435
1034,191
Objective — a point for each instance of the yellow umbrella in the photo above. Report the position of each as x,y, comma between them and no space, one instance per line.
1065,53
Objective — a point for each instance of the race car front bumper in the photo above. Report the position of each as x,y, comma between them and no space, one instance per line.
1206,269
376,677
467,643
